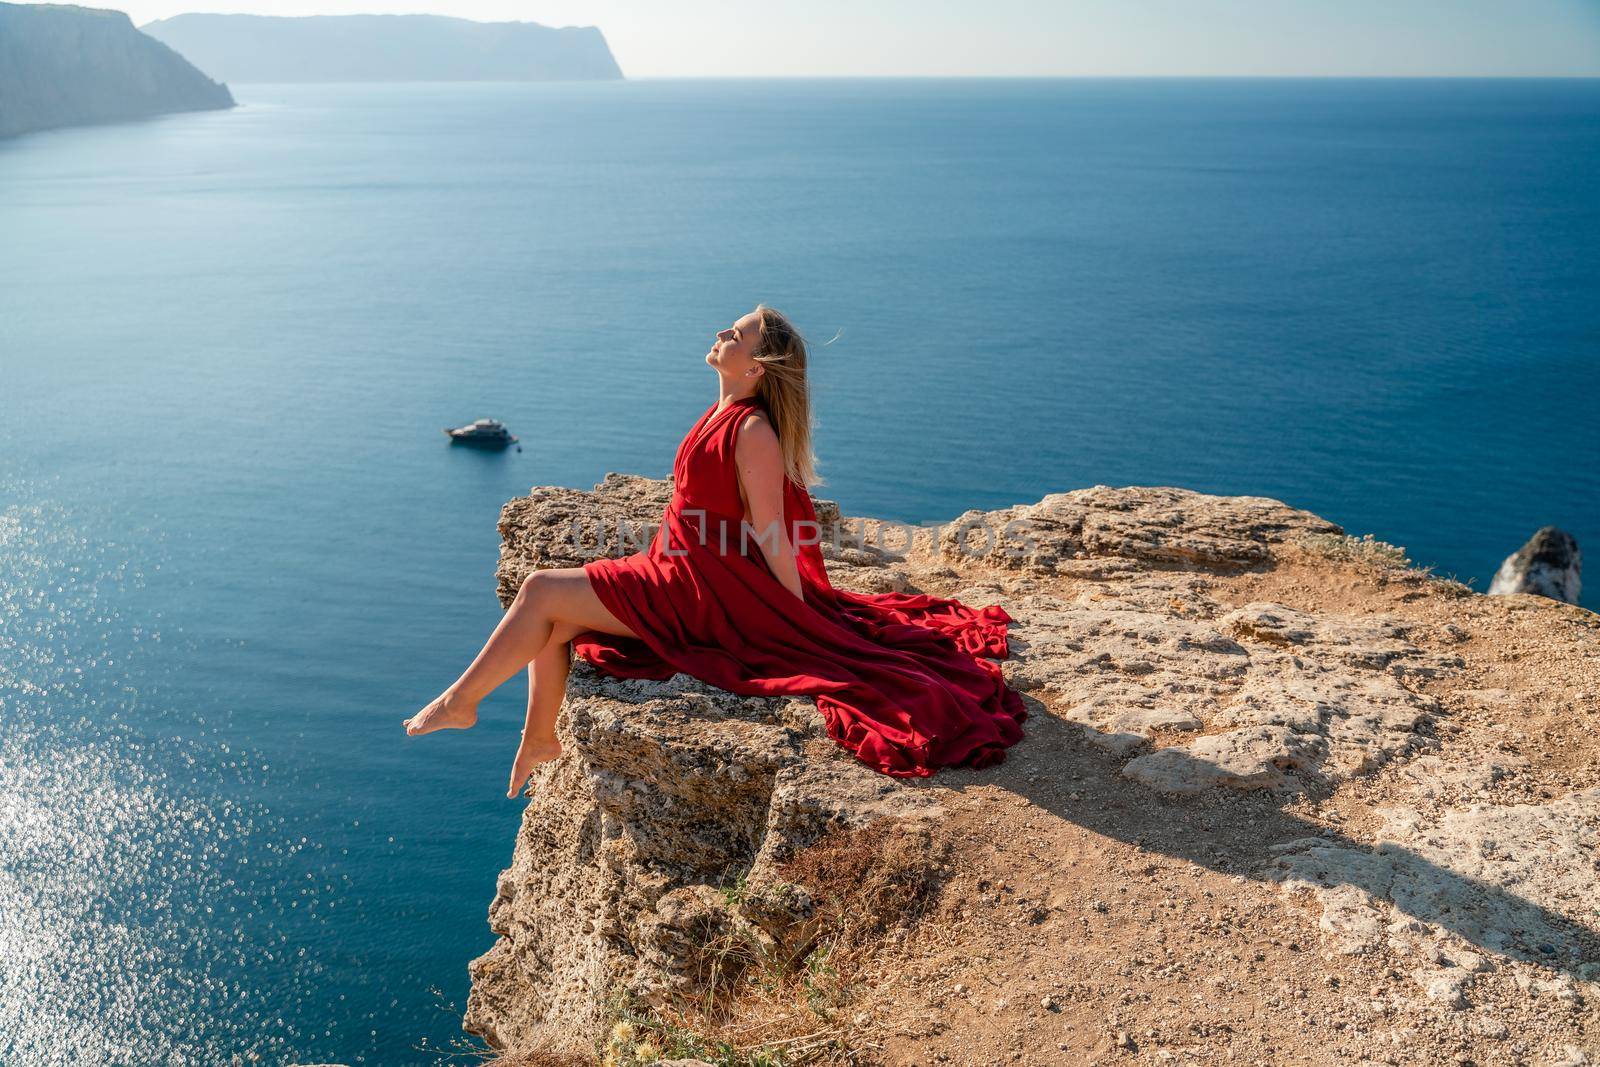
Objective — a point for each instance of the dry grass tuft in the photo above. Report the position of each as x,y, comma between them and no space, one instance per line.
1342,548
539,1059
869,880
784,973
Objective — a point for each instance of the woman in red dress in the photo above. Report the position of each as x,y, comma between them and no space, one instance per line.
733,591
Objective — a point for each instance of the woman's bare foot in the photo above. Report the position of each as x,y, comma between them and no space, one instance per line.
448,711
530,753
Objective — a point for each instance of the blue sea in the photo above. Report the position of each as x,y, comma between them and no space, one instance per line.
236,551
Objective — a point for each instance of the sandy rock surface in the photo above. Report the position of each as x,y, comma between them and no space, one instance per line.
1277,803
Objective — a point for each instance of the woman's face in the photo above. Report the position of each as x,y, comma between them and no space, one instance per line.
730,353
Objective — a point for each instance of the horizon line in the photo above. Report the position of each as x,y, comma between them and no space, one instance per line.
938,77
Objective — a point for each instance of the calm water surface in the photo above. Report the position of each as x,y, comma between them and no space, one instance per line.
235,550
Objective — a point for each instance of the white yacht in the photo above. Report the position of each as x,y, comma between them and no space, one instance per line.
485,433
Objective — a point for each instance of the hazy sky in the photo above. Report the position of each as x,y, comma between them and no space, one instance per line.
654,38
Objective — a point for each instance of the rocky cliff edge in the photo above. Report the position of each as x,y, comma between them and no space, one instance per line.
1283,798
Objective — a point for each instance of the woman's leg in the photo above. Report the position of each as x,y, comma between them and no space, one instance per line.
547,598
547,687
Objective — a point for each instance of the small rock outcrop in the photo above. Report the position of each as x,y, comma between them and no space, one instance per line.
1078,532
1244,739
1549,565
71,66
363,48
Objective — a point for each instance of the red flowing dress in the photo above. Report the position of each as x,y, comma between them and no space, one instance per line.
902,680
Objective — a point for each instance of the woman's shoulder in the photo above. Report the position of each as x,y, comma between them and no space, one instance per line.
755,425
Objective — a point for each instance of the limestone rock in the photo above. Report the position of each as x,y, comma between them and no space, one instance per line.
1121,670
1255,757
661,829
1549,565
1155,525
678,941
1444,987
1156,657
1435,779
786,913
558,527
1372,641
1468,878
664,796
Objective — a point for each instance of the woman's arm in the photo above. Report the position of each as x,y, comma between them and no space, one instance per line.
761,479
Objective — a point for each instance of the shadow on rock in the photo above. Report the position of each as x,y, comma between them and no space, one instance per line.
1439,888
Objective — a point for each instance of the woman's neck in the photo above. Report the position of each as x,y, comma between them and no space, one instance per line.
738,392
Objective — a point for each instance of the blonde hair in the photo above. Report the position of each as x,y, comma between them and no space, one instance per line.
782,352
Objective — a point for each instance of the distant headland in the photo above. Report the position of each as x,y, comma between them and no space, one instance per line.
71,66
376,48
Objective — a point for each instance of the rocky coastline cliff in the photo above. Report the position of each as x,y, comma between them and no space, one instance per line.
366,48
1283,799
62,65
